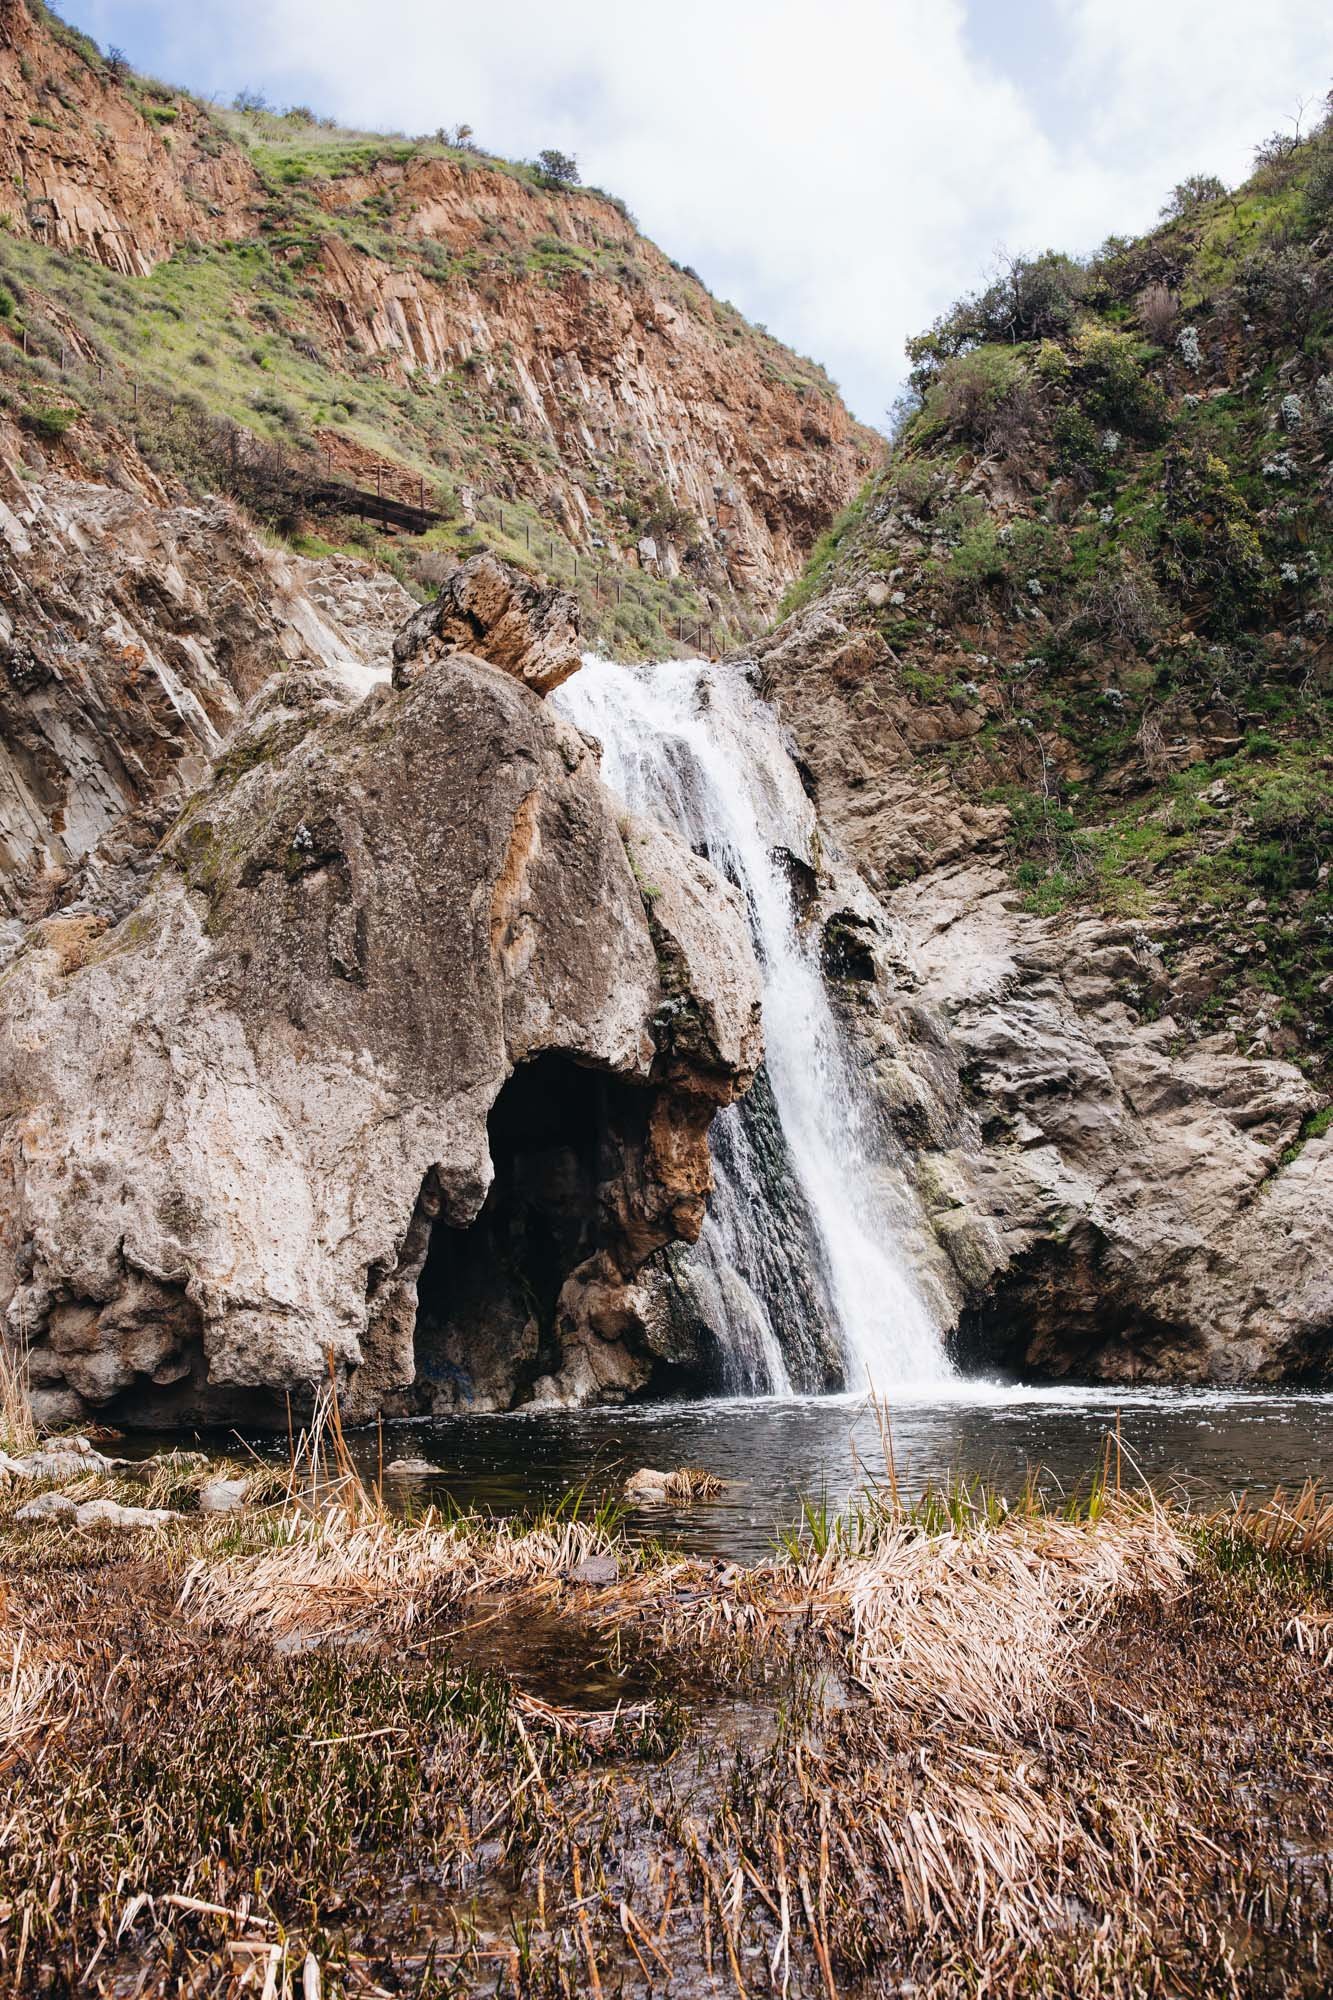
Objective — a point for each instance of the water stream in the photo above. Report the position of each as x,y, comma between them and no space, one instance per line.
799,1236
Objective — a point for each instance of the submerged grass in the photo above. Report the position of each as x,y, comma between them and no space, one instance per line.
937,1746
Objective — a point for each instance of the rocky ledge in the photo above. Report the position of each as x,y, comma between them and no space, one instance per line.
384,1072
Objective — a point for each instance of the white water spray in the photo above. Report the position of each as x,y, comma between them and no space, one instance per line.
689,744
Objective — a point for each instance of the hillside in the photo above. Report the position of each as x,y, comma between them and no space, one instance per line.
504,356
1082,621
1062,688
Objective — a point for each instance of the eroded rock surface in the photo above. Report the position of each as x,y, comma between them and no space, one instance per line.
94,170
1107,1193
485,608
386,1071
132,633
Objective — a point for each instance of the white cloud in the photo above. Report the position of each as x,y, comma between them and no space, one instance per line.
841,173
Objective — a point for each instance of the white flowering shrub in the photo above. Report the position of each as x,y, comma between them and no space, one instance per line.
1188,343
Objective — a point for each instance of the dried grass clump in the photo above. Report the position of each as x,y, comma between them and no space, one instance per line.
683,1483
18,1432
1295,1525
328,1575
970,1623
30,1691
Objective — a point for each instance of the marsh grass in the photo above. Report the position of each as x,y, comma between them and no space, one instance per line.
18,1432
937,1744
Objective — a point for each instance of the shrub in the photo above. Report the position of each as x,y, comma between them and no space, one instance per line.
1032,298
1319,181
557,169
1122,602
1285,288
1187,197
1210,544
1275,157
1292,818
1114,390
48,421
1077,443
984,397
991,560
1158,306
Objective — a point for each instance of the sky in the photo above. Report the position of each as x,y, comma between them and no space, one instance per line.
842,170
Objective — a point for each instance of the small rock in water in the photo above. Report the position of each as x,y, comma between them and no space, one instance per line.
596,1571
409,1468
646,1485
687,1482
110,1514
223,1496
47,1507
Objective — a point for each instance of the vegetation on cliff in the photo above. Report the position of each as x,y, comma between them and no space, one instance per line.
1099,572
266,304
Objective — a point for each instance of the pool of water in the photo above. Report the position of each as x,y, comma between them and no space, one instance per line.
1203,1443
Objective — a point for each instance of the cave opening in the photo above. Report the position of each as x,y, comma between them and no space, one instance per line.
487,1294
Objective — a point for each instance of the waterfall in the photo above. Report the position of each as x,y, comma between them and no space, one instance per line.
799,1253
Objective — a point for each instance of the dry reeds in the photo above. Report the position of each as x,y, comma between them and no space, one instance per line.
334,1574
18,1432
1295,1525
29,1691
943,1746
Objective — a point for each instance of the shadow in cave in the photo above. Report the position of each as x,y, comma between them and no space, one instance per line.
487,1295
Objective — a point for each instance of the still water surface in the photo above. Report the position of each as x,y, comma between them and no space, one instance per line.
1204,1444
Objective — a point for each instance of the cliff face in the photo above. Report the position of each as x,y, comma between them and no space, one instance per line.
1063,688
106,164
366,1071
416,320
596,356
131,635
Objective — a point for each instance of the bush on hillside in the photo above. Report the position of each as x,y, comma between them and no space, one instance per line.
1275,158
1319,179
1210,546
557,169
1158,307
1285,289
1113,388
1122,602
985,397
1187,197
1032,298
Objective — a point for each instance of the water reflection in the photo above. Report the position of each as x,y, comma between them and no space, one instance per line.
1204,1443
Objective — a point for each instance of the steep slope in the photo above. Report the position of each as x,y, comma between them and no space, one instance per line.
1063,687
101,161
420,320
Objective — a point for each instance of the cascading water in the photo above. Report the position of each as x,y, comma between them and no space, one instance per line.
799,1230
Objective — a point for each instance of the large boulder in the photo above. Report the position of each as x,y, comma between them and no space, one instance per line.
484,608
385,1074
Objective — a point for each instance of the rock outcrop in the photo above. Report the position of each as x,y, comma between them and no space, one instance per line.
105,163
132,633
558,361
528,630
1108,1193
617,377
375,1074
